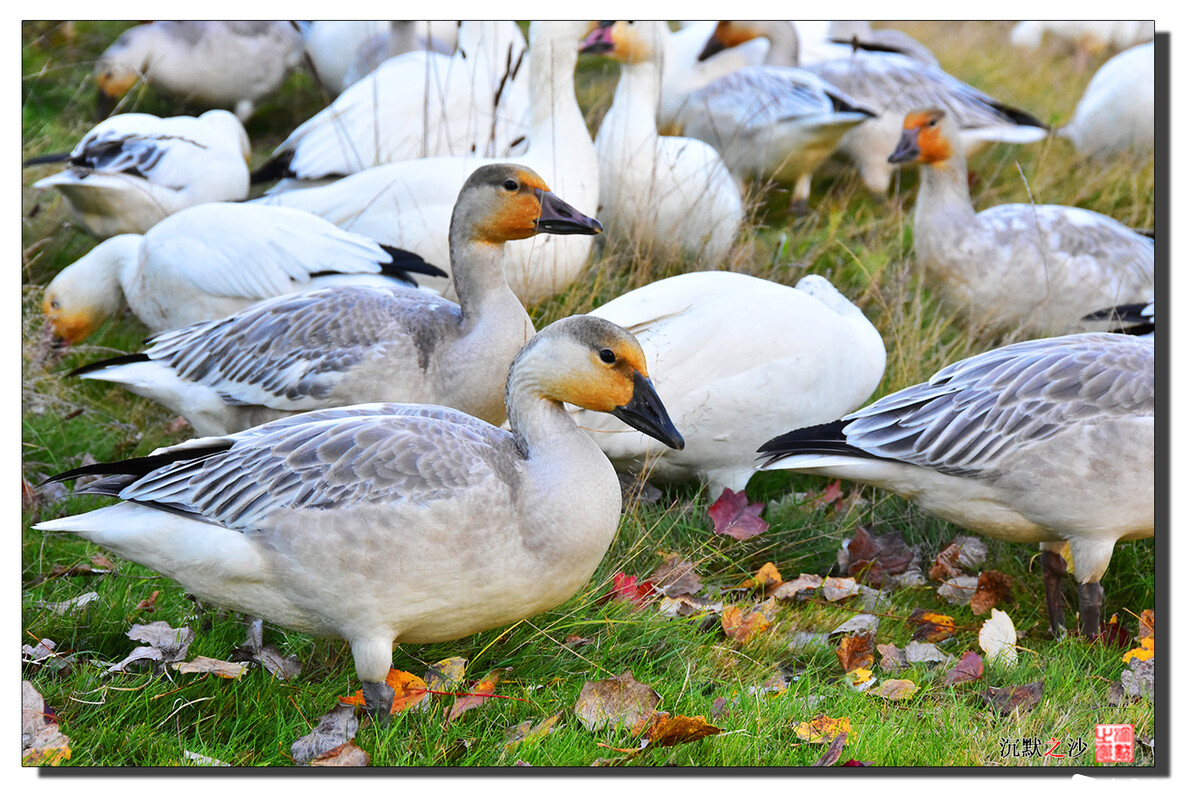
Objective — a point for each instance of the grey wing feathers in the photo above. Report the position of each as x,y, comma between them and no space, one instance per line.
132,153
334,459
290,352
779,94
973,412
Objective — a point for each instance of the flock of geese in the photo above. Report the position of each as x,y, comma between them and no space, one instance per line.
389,452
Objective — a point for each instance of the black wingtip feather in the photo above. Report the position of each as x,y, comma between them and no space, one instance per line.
134,468
405,261
824,439
275,169
95,366
1017,116
49,158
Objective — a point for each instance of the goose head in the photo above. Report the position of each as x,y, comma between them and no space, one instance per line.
120,67
231,126
598,365
626,42
505,202
929,137
88,292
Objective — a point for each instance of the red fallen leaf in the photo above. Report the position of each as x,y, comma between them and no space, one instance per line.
733,515
480,693
832,495
625,587
1111,633
969,668
853,762
994,587
1014,698
872,557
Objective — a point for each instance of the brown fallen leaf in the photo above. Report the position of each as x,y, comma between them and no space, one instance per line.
346,755
895,689
675,577
1014,698
835,589
733,515
994,587
212,666
870,558
42,744
409,691
803,587
833,753
945,565
149,604
891,658
1145,624
930,627
331,731
663,730
823,729
526,731
969,668
620,702
767,577
743,626
482,691
574,641
856,651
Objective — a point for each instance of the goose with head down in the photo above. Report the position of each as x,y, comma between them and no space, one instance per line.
668,196
390,523
1046,441
132,171
357,344
211,260
1038,268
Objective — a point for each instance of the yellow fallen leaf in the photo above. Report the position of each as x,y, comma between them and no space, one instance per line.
768,576
822,729
1144,652
860,679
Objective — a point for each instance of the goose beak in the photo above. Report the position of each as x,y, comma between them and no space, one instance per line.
713,47
907,149
598,41
558,216
646,413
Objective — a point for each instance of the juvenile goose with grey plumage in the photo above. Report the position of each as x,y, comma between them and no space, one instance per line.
393,523
349,345
1046,441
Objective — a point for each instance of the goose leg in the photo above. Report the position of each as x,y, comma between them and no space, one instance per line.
378,696
1090,602
1053,569
1091,557
372,661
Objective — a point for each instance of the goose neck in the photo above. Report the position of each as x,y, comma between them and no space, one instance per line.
784,44
478,275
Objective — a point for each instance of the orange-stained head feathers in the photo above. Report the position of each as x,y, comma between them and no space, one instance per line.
71,327
923,139
505,202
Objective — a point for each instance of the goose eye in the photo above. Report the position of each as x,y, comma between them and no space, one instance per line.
932,123
607,356
511,185
55,304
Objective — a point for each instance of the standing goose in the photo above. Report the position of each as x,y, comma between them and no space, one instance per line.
738,358
391,523
1038,268
211,260
408,204
358,344
133,170
1045,441
890,85
668,196
225,64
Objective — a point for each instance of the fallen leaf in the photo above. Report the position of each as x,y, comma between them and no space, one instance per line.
894,689
268,657
45,655
917,652
102,562
858,623
172,642
526,731
625,587
733,515
346,755
997,638
860,679
203,760
42,744
741,626
1113,634
767,577
801,639
687,606
994,587
804,587
409,691
822,729
969,668
833,753
945,565
832,495
856,650
675,577
1145,624
480,693
835,589
930,627
1014,698
447,674
873,559
853,762
69,606
572,641
663,730
205,665
149,603
972,551
958,590
891,658
722,706
1137,681
615,703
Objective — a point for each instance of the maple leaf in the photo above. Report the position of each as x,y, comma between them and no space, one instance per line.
1144,652
733,515
480,693
615,702
1014,698
969,668
409,691
997,638
822,729
855,650
1112,633
742,626
994,587
625,587
930,627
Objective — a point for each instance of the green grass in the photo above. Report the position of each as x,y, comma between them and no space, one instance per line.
862,245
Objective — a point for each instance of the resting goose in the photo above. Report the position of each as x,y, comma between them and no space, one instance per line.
774,121
683,72
226,64
1036,268
210,260
1045,441
408,204
1116,111
890,85
357,344
664,196
737,358
133,170
391,523
1134,319
416,105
